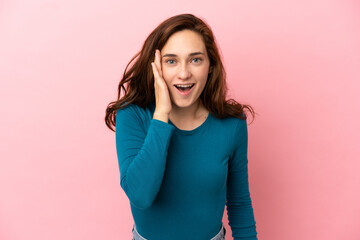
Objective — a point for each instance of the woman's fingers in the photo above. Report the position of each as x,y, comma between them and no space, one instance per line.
156,66
162,97
155,71
158,61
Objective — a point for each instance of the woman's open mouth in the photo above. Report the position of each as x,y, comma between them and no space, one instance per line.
184,89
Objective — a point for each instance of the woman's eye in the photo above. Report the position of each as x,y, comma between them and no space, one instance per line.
171,61
196,60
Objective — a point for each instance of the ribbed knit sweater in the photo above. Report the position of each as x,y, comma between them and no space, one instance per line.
178,182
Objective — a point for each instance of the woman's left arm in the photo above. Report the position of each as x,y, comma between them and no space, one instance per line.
238,204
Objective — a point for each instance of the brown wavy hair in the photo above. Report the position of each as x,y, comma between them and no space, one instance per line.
138,80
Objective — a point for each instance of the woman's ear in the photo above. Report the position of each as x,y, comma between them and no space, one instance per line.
210,69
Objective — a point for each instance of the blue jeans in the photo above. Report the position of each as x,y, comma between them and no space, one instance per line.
219,236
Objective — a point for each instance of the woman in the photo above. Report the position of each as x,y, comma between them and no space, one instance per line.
181,146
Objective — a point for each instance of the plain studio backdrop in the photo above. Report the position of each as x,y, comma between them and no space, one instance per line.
296,62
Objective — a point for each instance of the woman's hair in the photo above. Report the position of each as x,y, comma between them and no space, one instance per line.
138,80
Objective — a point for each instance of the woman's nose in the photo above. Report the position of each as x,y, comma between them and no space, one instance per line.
184,72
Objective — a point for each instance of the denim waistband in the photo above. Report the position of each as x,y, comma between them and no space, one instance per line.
220,236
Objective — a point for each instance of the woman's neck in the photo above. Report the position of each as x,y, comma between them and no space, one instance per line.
188,114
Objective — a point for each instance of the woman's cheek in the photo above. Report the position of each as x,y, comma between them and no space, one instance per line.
166,75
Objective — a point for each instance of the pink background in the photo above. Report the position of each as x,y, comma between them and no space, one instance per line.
297,63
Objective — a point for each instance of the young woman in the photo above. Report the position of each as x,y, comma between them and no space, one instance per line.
181,146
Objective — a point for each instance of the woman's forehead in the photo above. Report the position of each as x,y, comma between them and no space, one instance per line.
184,42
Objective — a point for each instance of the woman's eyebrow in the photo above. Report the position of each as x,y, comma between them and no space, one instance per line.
174,55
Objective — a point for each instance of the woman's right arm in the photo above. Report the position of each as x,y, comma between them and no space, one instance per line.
141,156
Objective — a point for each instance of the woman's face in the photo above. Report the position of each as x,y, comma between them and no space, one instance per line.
184,61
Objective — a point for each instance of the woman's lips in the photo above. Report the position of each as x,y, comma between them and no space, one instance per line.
186,92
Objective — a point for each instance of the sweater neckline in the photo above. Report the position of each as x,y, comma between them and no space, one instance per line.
187,132
193,131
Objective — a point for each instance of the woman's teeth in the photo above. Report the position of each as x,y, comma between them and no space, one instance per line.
184,87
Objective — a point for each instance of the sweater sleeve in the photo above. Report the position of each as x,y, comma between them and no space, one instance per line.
238,203
141,155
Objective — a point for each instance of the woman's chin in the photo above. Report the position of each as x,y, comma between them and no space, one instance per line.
182,103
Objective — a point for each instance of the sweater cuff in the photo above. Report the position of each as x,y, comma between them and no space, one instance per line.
162,124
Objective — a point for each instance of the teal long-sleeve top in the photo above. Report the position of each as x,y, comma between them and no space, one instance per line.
179,181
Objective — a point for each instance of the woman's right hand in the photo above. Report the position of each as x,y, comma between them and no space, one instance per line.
163,101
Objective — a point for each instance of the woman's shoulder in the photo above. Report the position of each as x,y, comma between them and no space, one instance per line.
231,121
132,110
135,107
